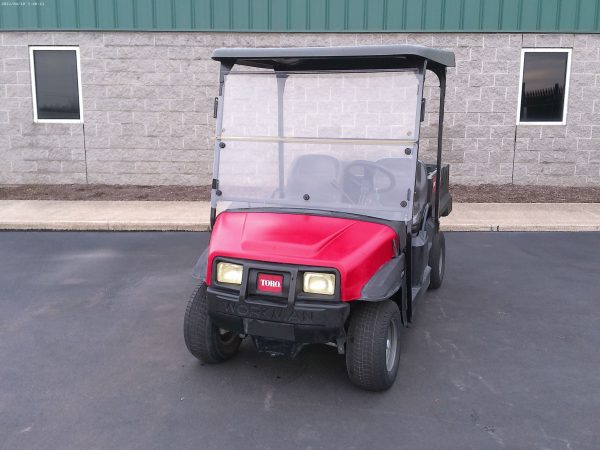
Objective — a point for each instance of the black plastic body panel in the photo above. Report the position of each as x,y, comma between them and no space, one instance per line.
446,205
291,315
369,57
199,270
292,283
386,281
443,185
421,246
303,321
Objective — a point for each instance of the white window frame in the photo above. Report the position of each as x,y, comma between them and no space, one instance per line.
32,48
568,51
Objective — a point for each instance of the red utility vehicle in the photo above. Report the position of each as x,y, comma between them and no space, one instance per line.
325,223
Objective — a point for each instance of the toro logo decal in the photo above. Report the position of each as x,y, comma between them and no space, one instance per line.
269,283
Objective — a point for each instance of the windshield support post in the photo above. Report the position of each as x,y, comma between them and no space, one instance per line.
224,69
281,79
442,77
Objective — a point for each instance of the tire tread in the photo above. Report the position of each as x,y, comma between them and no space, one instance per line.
365,358
200,334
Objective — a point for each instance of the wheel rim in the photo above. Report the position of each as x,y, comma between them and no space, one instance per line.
391,344
225,336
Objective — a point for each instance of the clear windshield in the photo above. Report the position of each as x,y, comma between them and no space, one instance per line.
327,141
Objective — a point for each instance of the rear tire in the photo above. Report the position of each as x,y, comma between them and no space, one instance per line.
373,345
437,260
203,339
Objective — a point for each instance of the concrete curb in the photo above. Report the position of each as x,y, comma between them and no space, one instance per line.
521,228
103,215
193,216
571,217
141,226
102,226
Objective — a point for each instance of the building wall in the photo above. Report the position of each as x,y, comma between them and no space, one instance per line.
148,100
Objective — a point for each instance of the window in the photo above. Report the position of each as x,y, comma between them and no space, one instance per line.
544,86
56,84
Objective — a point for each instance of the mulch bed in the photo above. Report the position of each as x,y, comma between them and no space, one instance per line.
510,193
103,192
486,193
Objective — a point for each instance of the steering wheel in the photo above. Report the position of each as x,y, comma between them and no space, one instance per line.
369,169
360,174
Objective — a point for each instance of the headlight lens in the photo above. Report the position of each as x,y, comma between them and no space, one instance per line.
229,273
319,283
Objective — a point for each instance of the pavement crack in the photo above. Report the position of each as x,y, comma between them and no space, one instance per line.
268,403
483,381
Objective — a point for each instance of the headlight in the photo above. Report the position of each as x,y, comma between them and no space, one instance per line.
229,273
319,283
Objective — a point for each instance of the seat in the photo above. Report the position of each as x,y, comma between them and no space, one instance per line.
316,175
420,197
401,167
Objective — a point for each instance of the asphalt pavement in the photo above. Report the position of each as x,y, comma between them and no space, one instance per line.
504,355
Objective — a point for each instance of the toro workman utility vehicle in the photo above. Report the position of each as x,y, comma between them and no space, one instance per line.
325,222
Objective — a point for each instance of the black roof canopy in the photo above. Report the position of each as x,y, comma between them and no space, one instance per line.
337,58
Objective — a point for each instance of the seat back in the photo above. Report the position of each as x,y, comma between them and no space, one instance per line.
420,198
400,168
315,175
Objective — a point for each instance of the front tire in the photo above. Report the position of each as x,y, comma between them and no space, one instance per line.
203,339
373,345
437,260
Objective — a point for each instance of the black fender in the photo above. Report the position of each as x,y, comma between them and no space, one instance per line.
199,270
386,282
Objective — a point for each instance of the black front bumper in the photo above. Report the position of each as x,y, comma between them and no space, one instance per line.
309,321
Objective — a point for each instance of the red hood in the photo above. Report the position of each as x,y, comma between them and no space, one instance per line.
355,248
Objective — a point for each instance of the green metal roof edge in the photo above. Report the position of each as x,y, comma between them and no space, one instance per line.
255,31
341,16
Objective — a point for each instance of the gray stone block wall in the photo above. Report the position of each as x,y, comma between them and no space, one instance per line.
148,99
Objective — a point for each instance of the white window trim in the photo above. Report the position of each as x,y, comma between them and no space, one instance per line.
34,89
568,51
